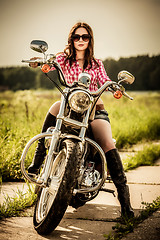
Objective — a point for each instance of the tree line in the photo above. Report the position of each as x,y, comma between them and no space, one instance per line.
146,70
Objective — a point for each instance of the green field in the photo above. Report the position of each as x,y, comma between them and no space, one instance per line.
22,114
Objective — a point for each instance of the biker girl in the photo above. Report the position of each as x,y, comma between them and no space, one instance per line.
78,56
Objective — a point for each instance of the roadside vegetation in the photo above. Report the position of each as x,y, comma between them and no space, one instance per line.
128,225
14,206
134,121
145,157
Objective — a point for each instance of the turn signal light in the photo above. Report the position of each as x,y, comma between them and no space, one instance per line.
118,94
45,68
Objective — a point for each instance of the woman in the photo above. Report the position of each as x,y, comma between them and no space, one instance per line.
78,57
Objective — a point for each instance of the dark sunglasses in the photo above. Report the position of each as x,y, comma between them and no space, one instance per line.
85,37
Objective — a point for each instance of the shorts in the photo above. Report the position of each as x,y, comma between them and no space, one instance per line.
102,114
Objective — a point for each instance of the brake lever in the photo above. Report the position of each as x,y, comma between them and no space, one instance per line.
120,88
127,95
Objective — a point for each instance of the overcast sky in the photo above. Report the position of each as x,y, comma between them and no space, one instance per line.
122,28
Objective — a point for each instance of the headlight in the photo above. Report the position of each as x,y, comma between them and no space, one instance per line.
79,101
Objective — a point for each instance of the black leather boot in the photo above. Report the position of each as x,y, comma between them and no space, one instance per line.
116,170
40,153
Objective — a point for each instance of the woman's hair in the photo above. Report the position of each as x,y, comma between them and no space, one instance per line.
70,49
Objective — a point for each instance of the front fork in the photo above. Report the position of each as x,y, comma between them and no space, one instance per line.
43,180
54,142
51,152
56,136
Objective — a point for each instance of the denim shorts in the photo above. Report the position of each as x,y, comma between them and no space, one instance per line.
102,114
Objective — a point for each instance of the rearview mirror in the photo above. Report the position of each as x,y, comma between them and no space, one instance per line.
39,46
126,77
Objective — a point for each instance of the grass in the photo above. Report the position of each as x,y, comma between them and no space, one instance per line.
134,121
146,157
22,114
13,206
21,117
128,225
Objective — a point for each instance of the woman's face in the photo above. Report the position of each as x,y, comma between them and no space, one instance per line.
81,44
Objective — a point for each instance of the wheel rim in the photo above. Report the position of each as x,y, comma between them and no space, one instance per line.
48,194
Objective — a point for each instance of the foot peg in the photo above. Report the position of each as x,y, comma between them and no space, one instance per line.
108,190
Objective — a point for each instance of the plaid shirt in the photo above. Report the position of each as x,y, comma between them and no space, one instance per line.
98,74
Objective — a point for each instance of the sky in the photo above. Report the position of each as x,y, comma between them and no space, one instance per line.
122,28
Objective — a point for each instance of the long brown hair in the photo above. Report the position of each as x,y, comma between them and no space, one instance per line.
70,49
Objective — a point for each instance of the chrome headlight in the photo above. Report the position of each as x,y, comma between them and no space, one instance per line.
79,101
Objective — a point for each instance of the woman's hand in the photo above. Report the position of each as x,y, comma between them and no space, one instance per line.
34,64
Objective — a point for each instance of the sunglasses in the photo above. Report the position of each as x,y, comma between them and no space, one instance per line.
85,37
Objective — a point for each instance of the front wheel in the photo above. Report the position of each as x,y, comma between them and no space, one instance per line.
53,201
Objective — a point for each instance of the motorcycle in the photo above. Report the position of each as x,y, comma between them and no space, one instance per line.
69,174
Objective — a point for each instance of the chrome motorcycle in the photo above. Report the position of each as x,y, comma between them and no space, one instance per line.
69,174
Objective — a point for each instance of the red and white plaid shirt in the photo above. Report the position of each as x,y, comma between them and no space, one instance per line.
98,74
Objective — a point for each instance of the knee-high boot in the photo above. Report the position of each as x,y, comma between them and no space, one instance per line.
115,167
40,152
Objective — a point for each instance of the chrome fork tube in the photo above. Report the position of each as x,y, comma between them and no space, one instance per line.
85,122
54,141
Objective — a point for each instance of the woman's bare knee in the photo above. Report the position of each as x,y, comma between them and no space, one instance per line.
54,109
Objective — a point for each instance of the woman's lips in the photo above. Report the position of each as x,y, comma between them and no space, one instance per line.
80,45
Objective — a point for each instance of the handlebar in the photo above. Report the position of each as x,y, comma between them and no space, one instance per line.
38,60
111,85
103,88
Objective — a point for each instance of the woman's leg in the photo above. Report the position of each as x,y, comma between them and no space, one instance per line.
116,170
40,152
54,109
103,136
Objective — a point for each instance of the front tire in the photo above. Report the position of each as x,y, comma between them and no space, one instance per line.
51,205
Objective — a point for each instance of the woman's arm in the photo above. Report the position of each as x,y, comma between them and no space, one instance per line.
60,58
102,76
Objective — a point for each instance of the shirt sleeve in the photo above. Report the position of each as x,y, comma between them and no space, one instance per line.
61,60
102,76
